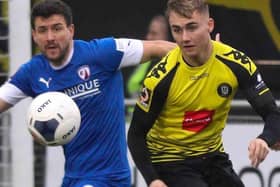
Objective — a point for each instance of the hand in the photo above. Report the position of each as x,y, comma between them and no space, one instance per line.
258,150
157,183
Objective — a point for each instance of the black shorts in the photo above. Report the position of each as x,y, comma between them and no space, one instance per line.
211,170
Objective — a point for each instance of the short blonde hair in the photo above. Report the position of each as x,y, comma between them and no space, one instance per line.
187,7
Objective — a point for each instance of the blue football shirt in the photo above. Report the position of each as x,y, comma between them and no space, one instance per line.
93,79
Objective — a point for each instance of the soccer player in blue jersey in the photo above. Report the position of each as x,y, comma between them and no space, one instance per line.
89,72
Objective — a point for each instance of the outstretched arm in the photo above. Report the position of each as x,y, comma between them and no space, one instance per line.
140,51
156,49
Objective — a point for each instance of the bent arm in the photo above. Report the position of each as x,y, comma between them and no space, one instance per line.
264,104
271,116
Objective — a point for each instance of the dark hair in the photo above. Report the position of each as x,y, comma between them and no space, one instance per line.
186,7
47,8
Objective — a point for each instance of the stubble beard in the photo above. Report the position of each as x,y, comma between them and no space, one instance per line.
58,61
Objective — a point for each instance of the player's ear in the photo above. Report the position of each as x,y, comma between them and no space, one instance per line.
211,24
71,29
34,35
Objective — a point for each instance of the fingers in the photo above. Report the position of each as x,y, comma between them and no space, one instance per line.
218,37
258,150
252,150
253,155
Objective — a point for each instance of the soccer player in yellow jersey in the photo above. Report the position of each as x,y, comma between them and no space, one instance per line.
175,136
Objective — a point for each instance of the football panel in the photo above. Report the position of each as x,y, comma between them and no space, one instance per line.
47,128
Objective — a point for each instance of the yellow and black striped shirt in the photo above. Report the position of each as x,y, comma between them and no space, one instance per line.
192,103
182,110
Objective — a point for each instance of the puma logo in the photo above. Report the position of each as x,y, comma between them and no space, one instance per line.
45,82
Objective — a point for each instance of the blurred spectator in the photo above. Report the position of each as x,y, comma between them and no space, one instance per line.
158,29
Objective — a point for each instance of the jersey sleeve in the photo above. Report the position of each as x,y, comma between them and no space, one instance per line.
132,51
148,108
21,79
104,53
257,93
11,94
112,54
262,100
17,87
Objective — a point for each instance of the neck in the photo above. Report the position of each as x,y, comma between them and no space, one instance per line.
201,58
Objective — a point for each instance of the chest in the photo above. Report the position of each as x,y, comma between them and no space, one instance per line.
77,81
199,88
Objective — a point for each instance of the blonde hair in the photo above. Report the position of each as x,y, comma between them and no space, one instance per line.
187,7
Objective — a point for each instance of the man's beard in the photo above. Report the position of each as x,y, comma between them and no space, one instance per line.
61,58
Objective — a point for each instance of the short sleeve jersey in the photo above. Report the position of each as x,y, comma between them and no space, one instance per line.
93,79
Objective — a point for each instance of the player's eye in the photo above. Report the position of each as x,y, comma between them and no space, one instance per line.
176,29
42,30
58,28
191,27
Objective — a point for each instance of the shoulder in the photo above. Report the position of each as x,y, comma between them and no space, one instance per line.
234,58
158,80
162,69
101,51
109,44
95,42
36,62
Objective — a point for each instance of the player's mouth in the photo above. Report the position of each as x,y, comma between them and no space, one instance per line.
188,47
51,48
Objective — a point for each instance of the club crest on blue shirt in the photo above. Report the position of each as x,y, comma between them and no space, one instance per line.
84,72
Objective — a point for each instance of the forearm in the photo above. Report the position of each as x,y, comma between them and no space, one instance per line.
156,49
141,159
271,131
138,148
266,107
264,104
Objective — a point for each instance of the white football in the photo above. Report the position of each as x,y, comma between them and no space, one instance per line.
53,118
